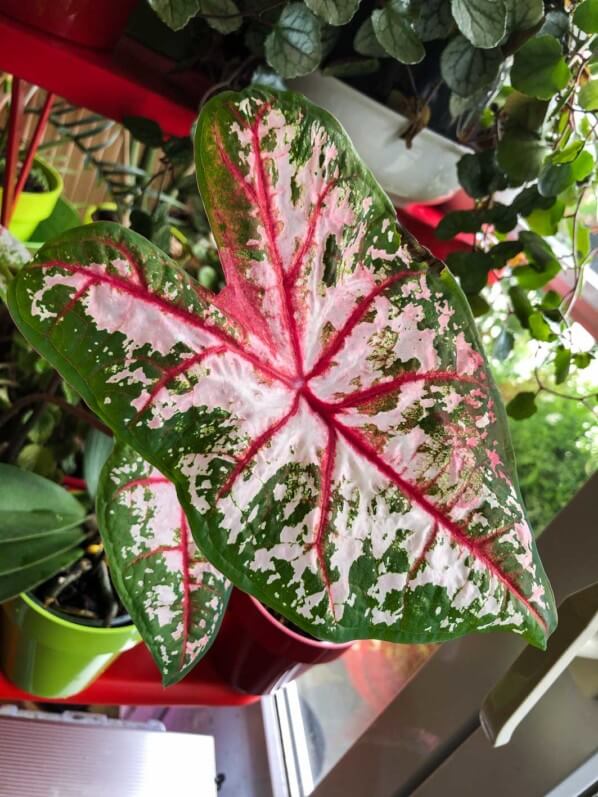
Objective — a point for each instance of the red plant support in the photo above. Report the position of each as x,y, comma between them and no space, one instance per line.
32,149
12,149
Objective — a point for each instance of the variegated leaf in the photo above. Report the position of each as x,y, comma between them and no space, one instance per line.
328,418
175,597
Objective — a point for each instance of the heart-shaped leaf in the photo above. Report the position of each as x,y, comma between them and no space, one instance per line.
173,594
483,22
334,12
328,419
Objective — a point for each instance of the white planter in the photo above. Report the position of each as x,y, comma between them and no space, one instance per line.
426,173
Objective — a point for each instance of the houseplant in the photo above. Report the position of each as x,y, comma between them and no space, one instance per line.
515,81
37,200
327,418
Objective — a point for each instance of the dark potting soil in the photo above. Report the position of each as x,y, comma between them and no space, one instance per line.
85,591
101,214
34,184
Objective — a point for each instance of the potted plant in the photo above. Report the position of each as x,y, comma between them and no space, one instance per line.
60,629
38,199
327,420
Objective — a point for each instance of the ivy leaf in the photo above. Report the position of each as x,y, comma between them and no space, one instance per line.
482,22
148,540
504,345
539,328
221,15
294,48
520,154
585,16
539,68
582,359
334,12
465,68
472,269
432,19
546,222
328,419
176,13
562,363
393,30
588,96
479,174
366,43
522,406
524,15
522,307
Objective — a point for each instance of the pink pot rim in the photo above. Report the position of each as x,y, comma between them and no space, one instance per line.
312,643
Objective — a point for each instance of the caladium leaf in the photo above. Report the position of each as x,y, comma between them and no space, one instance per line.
175,597
328,418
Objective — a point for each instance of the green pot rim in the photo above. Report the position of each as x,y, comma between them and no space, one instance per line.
57,183
33,604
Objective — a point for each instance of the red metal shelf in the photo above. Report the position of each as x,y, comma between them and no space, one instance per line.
130,80
134,680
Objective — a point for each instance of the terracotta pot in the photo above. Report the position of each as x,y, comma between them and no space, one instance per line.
94,23
256,654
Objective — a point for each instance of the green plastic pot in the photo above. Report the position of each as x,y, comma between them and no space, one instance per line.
47,655
31,208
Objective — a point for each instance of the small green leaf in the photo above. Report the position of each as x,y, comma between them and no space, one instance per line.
539,68
522,307
483,22
529,199
524,14
145,130
459,221
522,406
524,112
366,43
175,13
539,328
556,24
472,269
334,12
582,359
562,363
394,32
555,178
479,306
431,19
222,15
582,166
294,48
479,174
533,276
588,96
551,300
504,345
520,154
585,16
568,154
546,222
465,68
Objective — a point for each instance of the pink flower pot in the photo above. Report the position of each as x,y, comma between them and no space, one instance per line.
257,654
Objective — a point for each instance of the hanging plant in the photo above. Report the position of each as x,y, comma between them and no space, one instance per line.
328,419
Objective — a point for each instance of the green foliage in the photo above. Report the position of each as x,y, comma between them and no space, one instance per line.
556,450
294,46
40,530
395,33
